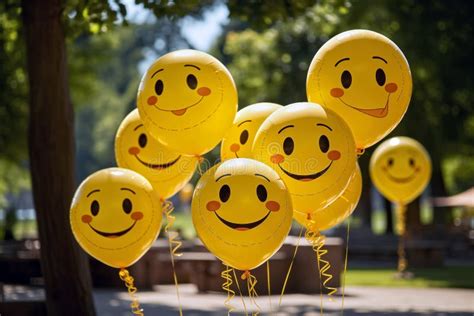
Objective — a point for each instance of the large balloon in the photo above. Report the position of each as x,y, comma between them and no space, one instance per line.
167,170
115,216
313,151
400,169
336,212
239,139
242,212
187,100
365,78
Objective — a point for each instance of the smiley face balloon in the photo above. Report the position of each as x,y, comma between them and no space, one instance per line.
167,170
239,139
336,212
187,100
115,216
400,169
242,212
365,78
313,151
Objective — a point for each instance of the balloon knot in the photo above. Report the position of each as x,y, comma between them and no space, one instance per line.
245,275
360,151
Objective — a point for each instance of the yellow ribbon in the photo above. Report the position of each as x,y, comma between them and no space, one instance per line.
401,225
132,290
251,284
174,245
345,265
240,291
225,274
269,286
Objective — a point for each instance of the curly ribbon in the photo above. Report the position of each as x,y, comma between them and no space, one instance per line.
269,286
128,279
401,215
318,241
251,284
240,292
226,287
360,152
174,245
345,265
290,267
200,159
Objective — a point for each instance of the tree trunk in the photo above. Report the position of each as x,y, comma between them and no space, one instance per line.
388,217
51,152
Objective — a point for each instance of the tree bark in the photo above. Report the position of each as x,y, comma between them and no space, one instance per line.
51,153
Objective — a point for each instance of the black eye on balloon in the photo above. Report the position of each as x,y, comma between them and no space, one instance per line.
159,87
390,162
411,162
192,81
142,140
324,143
244,136
288,145
261,193
380,77
346,79
127,206
224,193
95,208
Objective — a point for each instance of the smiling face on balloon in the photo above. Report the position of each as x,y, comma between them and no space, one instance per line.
313,151
115,216
190,93
364,77
242,212
400,168
239,139
167,170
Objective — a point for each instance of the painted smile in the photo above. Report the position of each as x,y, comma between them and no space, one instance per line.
114,234
180,112
402,180
378,113
306,177
245,226
158,166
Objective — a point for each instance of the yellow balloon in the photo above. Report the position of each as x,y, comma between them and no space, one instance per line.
167,170
239,139
187,100
242,212
365,78
339,210
313,151
116,216
186,193
400,169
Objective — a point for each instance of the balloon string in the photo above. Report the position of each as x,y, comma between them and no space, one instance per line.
200,159
174,245
225,274
290,267
240,291
401,220
345,265
360,152
251,283
132,290
269,286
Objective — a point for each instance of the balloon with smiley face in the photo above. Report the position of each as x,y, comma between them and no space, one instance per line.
115,216
400,169
313,151
167,170
365,78
239,139
336,212
187,100
242,212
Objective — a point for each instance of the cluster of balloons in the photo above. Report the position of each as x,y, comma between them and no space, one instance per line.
278,162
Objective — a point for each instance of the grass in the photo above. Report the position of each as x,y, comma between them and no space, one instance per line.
447,277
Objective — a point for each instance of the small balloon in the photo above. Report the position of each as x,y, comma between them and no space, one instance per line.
313,151
242,212
116,216
167,170
400,169
365,78
336,212
187,100
239,139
